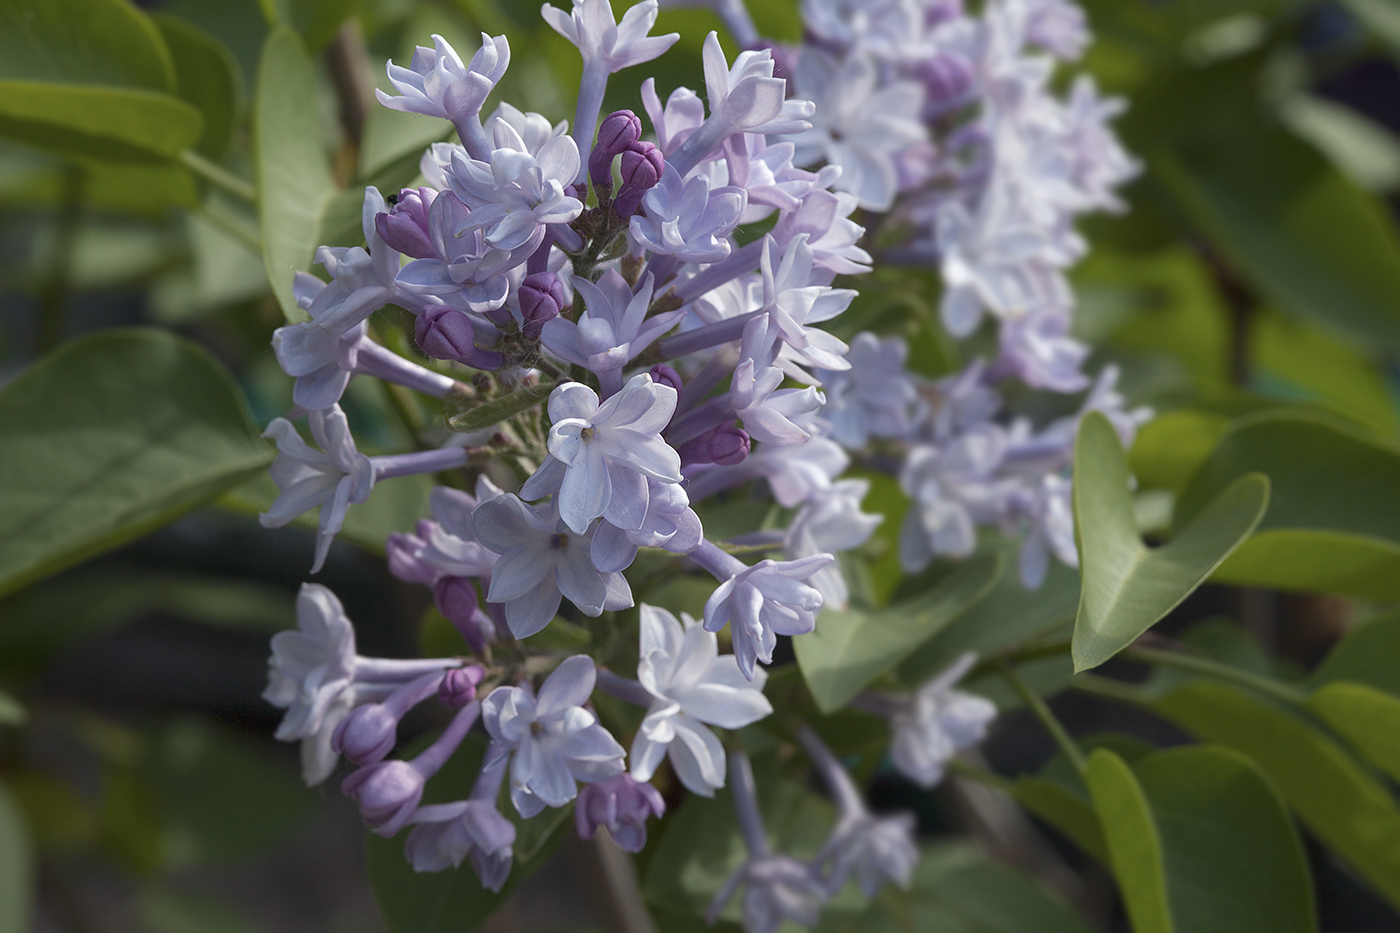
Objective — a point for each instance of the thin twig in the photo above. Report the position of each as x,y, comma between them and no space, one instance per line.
1048,719
218,176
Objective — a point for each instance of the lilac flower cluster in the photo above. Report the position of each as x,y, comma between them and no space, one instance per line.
679,354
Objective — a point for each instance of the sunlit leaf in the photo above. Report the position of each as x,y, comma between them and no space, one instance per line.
1128,587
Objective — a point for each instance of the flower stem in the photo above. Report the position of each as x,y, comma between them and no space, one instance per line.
1042,712
1205,666
218,176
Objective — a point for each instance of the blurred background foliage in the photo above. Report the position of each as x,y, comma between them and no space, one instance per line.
157,159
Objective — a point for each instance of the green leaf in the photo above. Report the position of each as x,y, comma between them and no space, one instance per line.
1367,717
110,436
852,647
1334,522
1365,656
16,868
1201,842
289,161
1134,847
1065,810
1170,448
316,20
1009,614
1128,587
11,712
1380,16
108,42
117,124
1338,801
206,78
499,409
1305,237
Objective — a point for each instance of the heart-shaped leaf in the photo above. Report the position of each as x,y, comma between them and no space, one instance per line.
851,647
1126,586
109,437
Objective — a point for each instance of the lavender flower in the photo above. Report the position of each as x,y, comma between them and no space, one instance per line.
874,397
437,84
685,219
831,521
551,741
330,479
937,722
472,830
600,38
622,805
612,330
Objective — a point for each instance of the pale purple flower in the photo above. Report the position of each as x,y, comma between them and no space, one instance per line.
1057,26
622,805
330,479
936,723
552,741
517,193
874,397
792,302
769,413
362,280
832,236
670,523
438,84
693,687
311,665
682,115
465,267
599,37
469,830
952,487
761,602
766,171
542,560
876,849
828,522
613,328
796,472
321,362
1050,512
608,451
862,124
686,219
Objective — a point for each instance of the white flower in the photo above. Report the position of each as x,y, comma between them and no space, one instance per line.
312,665
554,741
746,97
936,723
777,888
542,560
686,219
693,685
831,521
330,479
875,849
769,413
599,37
952,487
859,125
609,451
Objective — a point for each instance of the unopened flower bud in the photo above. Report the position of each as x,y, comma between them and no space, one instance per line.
456,599
664,375
367,735
541,300
620,129
405,226
444,333
623,805
458,687
642,165
387,792
725,446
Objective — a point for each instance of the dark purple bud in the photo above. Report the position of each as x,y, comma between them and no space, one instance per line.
623,805
642,165
620,129
405,226
725,446
541,300
444,333
458,688
456,599
663,375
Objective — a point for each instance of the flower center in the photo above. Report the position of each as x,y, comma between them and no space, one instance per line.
587,432
559,541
